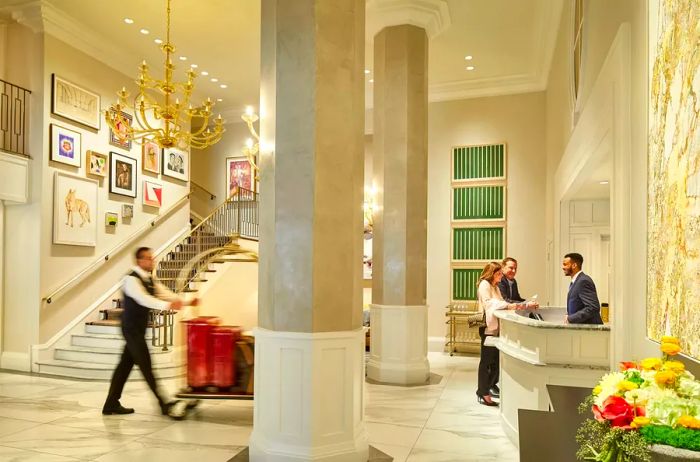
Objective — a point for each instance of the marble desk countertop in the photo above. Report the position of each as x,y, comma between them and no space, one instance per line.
553,319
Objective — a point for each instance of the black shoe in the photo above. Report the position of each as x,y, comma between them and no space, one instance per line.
167,408
486,401
119,409
495,392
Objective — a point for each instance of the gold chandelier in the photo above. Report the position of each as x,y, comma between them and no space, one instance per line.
170,122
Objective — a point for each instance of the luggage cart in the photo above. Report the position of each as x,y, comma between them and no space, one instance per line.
219,362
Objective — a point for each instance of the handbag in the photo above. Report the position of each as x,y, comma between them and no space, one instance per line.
477,320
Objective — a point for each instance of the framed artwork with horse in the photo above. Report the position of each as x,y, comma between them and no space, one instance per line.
74,210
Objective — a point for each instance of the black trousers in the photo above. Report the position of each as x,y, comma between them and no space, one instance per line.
488,366
135,352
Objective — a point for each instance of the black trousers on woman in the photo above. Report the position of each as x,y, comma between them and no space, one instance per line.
488,366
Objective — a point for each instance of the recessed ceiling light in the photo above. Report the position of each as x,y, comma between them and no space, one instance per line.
214,79
128,20
223,85
219,99
145,31
205,73
194,66
158,41
371,80
470,68
183,58
605,182
468,57
366,71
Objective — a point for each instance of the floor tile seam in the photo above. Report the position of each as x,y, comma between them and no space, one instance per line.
72,427
44,453
36,424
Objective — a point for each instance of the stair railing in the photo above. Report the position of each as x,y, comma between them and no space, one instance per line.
236,217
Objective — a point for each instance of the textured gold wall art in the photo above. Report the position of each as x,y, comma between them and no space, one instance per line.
673,284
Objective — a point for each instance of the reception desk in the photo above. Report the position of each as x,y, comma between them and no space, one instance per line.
534,354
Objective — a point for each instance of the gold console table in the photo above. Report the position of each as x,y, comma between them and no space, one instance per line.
459,332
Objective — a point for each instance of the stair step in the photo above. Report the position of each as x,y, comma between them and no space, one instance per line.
98,340
115,328
87,370
111,356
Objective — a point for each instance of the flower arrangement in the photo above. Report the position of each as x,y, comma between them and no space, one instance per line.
654,401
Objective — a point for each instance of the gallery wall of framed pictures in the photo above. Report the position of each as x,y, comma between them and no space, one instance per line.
96,184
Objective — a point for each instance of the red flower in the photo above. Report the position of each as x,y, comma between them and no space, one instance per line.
624,365
617,411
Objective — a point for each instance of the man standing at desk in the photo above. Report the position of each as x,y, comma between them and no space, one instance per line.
582,306
508,285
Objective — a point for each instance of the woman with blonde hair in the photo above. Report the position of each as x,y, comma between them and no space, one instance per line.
490,300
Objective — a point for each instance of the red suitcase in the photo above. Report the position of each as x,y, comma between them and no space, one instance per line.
199,350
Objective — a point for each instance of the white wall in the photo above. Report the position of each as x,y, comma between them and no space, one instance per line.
517,120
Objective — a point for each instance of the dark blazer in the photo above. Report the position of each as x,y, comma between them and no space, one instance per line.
582,304
511,295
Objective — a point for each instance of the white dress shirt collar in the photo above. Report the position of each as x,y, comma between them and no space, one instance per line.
573,279
141,272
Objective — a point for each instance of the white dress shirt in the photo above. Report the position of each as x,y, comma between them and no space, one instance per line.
134,288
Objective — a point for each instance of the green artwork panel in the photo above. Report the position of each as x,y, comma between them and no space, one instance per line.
477,243
478,162
464,283
478,203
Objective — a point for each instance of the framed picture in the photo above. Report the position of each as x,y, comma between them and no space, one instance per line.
65,146
97,163
114,139
176,164
74,210
122,174
152,194
127,211
111,219
150,157
239,173
75,103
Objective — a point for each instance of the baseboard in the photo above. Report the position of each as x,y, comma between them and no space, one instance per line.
436,344
15,361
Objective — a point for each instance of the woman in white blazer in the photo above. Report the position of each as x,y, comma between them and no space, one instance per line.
490,300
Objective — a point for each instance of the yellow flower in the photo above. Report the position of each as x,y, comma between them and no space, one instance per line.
674,366
651,363
665,377
640,421
626,385
597,390
689,422
670,348
670,339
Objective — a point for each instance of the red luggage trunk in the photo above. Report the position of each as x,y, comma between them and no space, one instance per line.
199,350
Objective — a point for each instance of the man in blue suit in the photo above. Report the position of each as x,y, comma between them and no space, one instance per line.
582,306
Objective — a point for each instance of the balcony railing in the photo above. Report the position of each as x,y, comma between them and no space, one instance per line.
14,102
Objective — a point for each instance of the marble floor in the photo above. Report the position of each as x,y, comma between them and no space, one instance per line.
51,419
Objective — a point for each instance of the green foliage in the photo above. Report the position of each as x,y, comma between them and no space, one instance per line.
586,405
680,437
600,442
634,376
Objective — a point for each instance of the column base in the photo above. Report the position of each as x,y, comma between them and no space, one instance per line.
399,344
309,397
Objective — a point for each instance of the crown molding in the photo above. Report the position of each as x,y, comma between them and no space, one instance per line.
431,15
545,41
480,88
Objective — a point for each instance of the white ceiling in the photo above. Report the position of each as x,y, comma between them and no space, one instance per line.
511,41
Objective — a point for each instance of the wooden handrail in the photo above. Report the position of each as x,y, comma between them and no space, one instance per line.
87,271
194,185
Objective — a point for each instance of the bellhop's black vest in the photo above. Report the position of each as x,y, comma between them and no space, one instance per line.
135,316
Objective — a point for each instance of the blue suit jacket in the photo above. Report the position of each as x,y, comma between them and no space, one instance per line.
582,304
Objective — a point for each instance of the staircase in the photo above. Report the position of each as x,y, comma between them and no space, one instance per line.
183,268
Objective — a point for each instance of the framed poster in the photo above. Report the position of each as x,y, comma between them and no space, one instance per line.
127,211
239,174
111,218
75,103
74,210
114,139
150,153
97,163
65,146
122,174
152,194
176,164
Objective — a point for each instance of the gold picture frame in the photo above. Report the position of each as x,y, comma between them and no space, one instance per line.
75,103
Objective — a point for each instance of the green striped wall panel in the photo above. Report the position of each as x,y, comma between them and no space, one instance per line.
477,162
478,203
477,243
464,283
